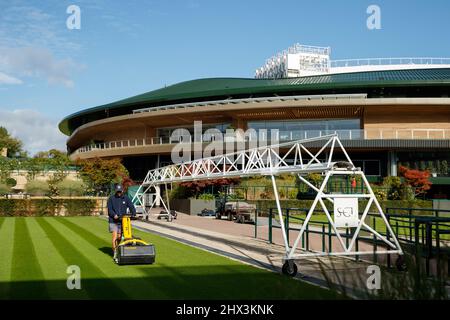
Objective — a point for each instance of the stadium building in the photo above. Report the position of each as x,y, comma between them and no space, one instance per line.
387,111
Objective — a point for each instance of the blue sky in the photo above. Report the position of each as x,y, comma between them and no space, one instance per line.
129,47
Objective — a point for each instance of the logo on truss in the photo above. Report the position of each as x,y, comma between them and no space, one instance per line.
346,212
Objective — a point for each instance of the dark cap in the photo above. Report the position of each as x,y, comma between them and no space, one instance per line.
118,188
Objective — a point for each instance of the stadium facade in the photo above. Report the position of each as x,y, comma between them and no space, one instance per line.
388,112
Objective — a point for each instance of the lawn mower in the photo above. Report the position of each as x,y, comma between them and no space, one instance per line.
133,250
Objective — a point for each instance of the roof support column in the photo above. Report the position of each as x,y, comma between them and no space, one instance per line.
392,163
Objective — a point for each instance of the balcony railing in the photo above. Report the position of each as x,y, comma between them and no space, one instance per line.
389,61
358,134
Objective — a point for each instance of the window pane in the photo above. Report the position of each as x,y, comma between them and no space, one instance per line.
372,167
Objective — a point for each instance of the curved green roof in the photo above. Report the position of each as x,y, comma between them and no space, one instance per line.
202,89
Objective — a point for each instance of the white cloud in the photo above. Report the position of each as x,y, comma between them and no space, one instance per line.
34,43
37,62
24,25
37,131
6,79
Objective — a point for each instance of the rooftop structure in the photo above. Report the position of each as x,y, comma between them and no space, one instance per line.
301,61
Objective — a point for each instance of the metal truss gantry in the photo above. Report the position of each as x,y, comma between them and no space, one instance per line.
299,158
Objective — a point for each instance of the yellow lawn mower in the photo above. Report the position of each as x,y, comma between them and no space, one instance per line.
133,250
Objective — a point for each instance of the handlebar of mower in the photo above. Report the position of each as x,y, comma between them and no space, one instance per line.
132,216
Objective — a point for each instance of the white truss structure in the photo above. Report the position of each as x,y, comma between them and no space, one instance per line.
298,60
297,157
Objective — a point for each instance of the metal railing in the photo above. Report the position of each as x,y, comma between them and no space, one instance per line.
389,61
283,136
128,143
369,134
427,237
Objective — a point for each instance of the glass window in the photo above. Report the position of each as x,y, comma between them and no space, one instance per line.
372,167
166,133
359,164
300,129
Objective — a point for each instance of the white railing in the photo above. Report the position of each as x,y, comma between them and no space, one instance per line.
123,144
370,134
389,61
358,134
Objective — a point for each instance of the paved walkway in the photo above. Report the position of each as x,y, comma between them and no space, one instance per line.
237,241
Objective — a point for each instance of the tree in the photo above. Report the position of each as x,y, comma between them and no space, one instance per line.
100,173
13,145
418,180
69,187
126,182
394,187
53,154
53,181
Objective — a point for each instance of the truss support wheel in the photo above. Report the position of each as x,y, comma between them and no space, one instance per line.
289,269
400,263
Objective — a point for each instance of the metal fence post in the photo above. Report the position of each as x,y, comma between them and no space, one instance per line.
286,224
323,238
256,223
346,237
429,244
330,240
438,250
417,243
375,257
388,258
270,225
303,239
410,228
307,237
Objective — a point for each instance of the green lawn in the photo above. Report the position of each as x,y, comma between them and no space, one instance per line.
35,254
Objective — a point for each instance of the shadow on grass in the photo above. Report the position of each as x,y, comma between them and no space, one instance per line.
107,250
167,282
411,283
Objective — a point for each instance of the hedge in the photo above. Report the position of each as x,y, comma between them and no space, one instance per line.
47,207
265,205
4,189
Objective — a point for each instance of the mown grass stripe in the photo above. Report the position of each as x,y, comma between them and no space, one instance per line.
180,272
197,274
7,243
93,280
92,238
54,265
138,284
26,275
